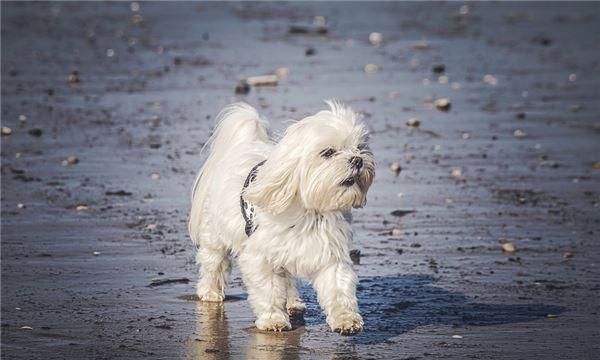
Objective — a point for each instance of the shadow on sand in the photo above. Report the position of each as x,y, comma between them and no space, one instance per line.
390,306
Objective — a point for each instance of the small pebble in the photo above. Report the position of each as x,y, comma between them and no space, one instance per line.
74,77
155,176
443,104
81,207
396,168
375,38
568,255
22,117
26,328
457,337
242,88
371,68
396,232
96,253
551,316
508,248
282,72
21,206
519,134
71,160
438,69
457,174
421,45
37,132
6,131
414,122
490,80
310,51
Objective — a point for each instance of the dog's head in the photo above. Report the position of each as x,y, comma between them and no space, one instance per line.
322,163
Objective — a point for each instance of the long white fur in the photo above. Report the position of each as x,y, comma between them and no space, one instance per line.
302,212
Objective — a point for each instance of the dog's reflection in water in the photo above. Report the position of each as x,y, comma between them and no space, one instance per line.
213,340
212,332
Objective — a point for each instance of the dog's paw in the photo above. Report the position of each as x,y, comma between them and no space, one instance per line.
210,296
296,308
277,321
347,324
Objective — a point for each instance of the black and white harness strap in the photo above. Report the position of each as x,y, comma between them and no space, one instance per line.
246,207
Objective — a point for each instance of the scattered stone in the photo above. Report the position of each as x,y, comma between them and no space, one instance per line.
575,108
371,68
457,174
521,115
262,80
355,256
508,247
96,253
6,131
71,160
396,168
443,104
457,337
242,88
438,69
520,134
596,165
26,328
490,80
155,176
22,117
310,51
568,255
21,206
401,213
396,232
74,77
81,207
307,30
551,316
550,164
414,122
37,132
159,282
421,45
117,193
375,38
282,72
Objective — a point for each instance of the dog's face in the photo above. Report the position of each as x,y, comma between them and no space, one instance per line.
322,163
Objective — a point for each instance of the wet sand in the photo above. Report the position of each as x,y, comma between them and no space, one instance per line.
133,95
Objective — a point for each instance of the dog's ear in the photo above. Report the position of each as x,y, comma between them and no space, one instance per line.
276,185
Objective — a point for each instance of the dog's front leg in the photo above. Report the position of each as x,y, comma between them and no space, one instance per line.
267,292
336,289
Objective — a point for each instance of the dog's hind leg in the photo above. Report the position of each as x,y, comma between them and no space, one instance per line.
294,304
215,266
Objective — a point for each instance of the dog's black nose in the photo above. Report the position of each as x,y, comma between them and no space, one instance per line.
356,162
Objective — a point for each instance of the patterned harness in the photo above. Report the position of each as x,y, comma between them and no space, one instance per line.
246,207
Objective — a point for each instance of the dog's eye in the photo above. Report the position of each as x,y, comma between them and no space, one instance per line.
327,153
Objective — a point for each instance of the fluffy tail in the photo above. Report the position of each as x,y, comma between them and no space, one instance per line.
236,124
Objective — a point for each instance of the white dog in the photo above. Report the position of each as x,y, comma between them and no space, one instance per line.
284,209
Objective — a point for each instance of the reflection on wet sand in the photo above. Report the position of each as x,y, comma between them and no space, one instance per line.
212,330
213,340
